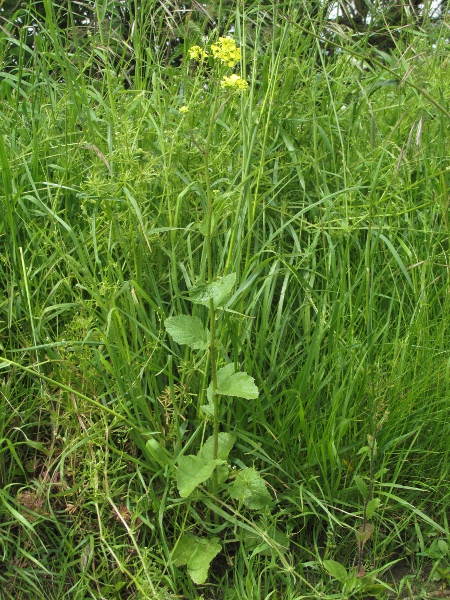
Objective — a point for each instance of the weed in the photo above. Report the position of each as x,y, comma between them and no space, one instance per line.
212,292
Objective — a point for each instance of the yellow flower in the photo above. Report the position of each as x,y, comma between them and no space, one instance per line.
183,109
197,53
226,51
234,81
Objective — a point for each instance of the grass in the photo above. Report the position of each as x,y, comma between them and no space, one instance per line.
329,184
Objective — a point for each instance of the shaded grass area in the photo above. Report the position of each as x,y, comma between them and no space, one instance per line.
330,182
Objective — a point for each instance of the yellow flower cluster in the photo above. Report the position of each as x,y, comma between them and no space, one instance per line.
183,109
226,51
197,53
234,81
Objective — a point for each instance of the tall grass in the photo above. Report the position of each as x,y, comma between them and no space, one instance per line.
330,177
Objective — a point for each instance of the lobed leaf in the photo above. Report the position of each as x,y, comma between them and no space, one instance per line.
191,471
250,489
185,329
226,442
219,291
197,553
230,383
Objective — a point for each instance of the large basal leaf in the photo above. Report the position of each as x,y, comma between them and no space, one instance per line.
193,470
250,489
230,383
200,561
197,553
188,330
225,443
219,291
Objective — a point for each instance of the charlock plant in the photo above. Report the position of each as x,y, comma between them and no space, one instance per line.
357,583
210,463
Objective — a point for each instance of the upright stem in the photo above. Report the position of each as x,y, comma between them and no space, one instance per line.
212,333
212,354
372,445
212,310
366,501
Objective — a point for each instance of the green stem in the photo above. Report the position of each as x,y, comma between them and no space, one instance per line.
212,314
212,311
212,354
212,334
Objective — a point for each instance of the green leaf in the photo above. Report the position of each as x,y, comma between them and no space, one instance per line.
219,291
380,473
158,453
188,330
193,470
223,472
361,485
197,553
443,547
184,550
230,383
372,507
336,570
208,409
199,563
363,534
250,489
226,442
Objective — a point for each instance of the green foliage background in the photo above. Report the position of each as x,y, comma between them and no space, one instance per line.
330,177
